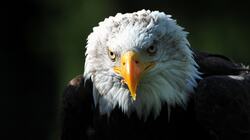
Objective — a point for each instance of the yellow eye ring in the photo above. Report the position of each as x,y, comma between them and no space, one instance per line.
111,55
151,50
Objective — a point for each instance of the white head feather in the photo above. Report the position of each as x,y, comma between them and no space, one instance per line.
170,82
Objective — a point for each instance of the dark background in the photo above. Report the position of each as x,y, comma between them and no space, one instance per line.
43,48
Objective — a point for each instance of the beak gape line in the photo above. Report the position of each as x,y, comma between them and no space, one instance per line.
131,70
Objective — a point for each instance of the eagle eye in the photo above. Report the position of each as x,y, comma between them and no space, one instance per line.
111,55
151,50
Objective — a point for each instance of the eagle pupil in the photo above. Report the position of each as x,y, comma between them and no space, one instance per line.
112,55
151,50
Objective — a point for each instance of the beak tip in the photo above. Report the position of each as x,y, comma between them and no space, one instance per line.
133,97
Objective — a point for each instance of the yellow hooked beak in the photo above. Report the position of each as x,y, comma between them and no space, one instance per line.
131,69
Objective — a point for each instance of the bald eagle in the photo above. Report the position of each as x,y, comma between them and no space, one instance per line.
142,80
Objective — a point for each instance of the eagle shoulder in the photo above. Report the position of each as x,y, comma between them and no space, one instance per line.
77,109
222,106
215,64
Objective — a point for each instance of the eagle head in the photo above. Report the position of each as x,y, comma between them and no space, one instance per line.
138,62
